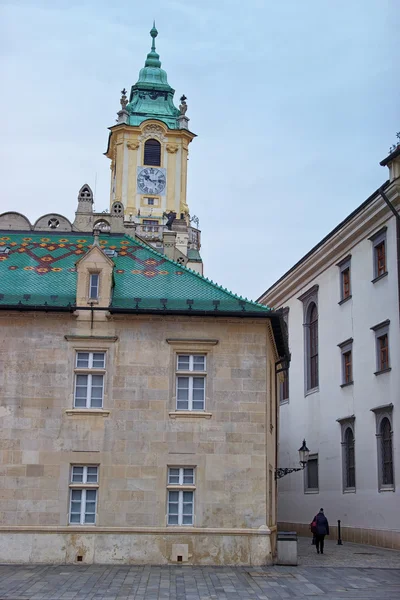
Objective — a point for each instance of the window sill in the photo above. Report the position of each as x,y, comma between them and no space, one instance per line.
286,401
349,491
312,391
189,414
100,412
345,300
387,489
347,384
379,277
311,491
383,371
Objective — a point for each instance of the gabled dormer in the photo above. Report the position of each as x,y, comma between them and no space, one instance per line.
95,278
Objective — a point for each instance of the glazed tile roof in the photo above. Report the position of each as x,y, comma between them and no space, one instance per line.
39,270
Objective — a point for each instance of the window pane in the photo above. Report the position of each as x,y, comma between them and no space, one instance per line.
75,517
76,508
198,405
94,286
182,405
90,518
183,362
99,360
77,475
173,508
182,385
76,495
199,363
91,495
92,474
187,496
188,475
82,360
198,383
187,520
80,390
173,496
312,473
96,393
173,476
172,519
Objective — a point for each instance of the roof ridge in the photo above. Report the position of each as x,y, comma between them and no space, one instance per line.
201,277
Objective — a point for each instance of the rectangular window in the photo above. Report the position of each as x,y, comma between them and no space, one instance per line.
382,346
83,495
150,225
284,387
347,367
311,474
94,286
379,253
89,379
150,201
344,270
346,349
180,500
380,259
190,389
383,349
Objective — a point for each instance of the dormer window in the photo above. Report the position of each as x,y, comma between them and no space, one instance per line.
152,153
4,249
94,286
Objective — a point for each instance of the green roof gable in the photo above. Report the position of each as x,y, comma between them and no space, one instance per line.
39,270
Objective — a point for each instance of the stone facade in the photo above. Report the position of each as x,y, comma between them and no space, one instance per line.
135,437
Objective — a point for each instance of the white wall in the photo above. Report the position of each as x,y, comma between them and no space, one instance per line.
314,416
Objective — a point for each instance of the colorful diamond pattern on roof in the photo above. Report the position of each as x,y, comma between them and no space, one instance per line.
39,270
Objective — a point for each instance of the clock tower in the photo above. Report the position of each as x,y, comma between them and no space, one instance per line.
148,148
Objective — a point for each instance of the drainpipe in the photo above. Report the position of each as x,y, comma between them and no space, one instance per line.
397,215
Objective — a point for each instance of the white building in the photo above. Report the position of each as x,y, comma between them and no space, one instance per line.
341,303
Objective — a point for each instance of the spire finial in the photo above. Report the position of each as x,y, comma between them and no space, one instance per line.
153,59
154,34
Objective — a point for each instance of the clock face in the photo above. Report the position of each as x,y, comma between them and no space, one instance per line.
151,180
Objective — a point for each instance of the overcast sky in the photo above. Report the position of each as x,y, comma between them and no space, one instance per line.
294,104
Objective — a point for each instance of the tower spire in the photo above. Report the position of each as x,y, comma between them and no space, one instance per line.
153,59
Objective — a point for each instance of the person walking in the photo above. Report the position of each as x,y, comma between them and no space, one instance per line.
320,528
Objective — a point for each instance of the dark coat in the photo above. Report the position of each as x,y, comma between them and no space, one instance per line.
322,524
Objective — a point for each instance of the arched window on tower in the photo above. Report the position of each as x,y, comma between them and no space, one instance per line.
349,460
312,347
152,153
386,453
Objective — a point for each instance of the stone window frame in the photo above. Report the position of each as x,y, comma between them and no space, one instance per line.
88,343
307,489
380,330
377,239
181,487
344,265
346,347
190,374
309,298
83,486
89,372
345,424
191,346
384,412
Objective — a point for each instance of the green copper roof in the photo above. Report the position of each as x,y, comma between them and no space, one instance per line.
152,97
39,270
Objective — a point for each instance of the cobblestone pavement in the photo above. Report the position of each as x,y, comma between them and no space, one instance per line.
375,575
